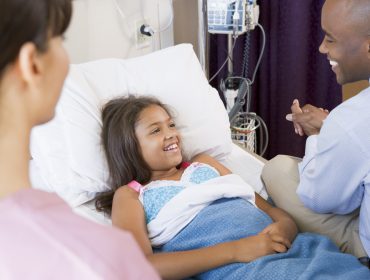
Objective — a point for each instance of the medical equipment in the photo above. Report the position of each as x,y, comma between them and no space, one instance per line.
231,16
224,17
235,17
245,127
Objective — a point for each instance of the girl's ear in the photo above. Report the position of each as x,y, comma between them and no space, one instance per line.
30,65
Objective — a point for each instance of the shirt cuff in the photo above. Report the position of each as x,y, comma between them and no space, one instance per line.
310,152
311,145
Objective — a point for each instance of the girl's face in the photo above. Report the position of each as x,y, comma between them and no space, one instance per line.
158,138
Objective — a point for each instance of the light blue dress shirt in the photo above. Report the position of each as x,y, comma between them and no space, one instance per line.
335,171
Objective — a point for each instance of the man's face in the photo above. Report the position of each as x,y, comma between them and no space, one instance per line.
346,43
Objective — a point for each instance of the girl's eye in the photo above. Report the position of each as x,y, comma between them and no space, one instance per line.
155,131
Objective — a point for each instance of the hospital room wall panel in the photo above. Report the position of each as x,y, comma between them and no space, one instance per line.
186,22
99,29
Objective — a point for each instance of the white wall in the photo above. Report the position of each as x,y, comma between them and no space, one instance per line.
98,30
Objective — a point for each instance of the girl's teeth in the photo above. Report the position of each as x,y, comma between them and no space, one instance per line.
172,147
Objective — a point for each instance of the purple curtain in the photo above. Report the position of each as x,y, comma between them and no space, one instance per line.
292,67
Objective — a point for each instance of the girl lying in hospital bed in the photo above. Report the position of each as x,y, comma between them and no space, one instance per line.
199,218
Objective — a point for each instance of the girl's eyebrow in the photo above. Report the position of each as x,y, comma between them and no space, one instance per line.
153,124
159,122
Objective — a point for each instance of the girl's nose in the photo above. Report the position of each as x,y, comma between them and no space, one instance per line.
170,134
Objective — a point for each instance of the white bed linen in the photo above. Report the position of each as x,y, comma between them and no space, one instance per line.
182,208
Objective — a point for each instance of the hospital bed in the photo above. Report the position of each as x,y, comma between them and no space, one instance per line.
67,156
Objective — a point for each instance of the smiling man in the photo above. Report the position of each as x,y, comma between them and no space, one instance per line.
329,190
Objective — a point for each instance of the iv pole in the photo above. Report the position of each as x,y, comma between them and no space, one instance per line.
230,66
237,97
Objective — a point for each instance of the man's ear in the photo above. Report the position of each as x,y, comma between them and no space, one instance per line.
29,64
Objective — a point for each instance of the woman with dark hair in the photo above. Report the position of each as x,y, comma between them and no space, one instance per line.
196,218
41,238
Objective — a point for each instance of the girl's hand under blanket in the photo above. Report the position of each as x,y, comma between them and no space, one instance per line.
251,248
283,225
285,228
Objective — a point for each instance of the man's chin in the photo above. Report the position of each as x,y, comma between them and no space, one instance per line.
340,82
340,79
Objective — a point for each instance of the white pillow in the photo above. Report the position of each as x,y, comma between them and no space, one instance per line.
67,153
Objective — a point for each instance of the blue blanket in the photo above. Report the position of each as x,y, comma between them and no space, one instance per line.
311,256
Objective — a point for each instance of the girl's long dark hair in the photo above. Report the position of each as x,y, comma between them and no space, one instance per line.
23,21
121,147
